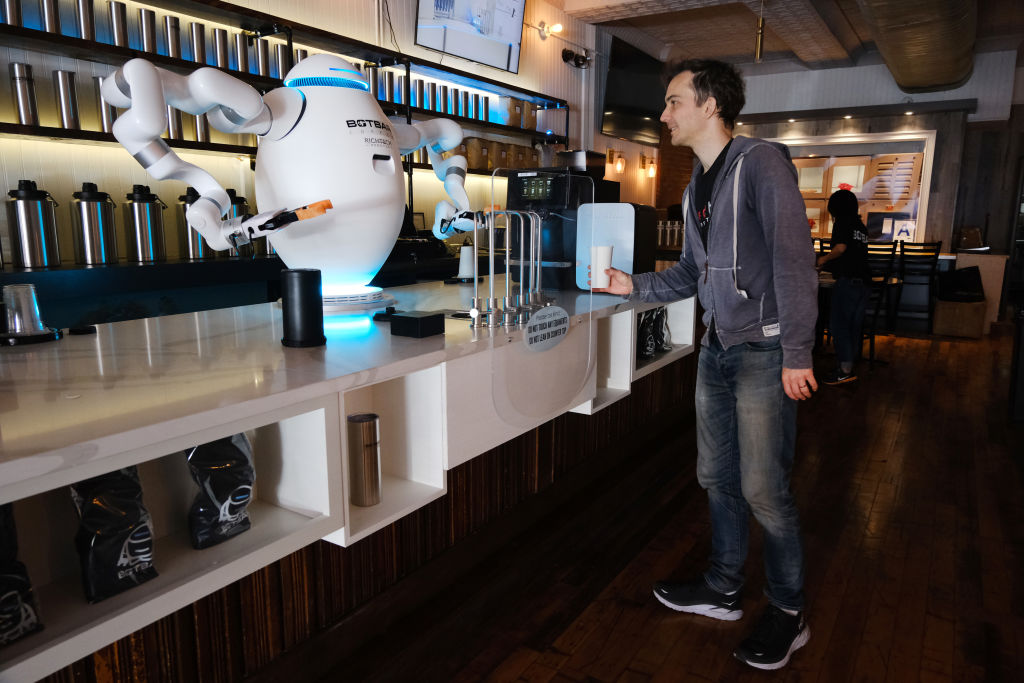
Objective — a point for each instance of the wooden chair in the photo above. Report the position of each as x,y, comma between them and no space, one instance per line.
918,265
881,262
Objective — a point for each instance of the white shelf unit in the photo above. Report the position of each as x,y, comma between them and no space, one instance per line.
296,500
411,443
617,366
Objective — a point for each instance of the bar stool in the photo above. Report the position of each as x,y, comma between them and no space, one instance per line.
918,264
881,261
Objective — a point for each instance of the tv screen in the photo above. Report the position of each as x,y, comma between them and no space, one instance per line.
484,31
634,96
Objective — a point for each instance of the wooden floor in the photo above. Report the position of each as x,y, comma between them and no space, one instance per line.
910,487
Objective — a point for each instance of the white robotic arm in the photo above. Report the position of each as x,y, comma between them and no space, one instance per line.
438,136
231,105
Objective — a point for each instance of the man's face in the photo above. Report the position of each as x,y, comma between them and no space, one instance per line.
683,116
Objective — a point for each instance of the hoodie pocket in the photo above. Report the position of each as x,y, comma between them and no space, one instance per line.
733,312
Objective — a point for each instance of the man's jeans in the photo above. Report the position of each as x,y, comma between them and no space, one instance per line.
746,435
849,299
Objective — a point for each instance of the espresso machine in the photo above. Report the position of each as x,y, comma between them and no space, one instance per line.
557,194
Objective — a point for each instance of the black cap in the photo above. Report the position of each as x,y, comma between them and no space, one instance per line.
89,193
141,193
27,190
190,196
235,199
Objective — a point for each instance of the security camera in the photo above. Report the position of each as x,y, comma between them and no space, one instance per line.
580,61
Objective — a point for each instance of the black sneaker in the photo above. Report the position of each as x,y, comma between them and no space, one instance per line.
697,597
839,377
777,636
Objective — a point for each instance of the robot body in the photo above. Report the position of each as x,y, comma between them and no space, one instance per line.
343,149
322,137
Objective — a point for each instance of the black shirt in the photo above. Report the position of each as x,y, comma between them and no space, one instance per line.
853,263
702,187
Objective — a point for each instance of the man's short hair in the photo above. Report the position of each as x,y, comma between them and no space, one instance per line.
712,78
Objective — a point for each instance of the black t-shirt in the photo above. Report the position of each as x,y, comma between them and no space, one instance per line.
853,263
702,187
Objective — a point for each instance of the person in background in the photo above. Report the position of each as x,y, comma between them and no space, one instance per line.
748,256
848,263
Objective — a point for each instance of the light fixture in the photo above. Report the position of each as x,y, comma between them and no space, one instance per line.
545,30
651,164
615,158
791,120
759,37
848,116
908,113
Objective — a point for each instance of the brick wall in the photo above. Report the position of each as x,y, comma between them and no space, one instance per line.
675,164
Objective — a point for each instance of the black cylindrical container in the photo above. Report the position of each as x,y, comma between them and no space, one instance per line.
302,308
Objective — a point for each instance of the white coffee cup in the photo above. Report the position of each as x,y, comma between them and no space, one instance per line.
600,259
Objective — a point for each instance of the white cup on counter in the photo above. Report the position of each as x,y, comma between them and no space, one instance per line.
600,259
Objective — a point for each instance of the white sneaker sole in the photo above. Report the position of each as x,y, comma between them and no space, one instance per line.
713,611
798,643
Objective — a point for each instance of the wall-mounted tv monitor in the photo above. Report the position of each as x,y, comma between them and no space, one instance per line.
634,96
485,31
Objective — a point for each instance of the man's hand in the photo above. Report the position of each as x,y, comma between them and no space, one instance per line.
799,384
618,282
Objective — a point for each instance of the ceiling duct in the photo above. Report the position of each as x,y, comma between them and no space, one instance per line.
927,44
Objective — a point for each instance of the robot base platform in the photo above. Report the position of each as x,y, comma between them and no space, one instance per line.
363,301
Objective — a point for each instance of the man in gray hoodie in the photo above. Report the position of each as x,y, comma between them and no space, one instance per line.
748,257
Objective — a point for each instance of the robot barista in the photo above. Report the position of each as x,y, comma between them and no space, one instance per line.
322,137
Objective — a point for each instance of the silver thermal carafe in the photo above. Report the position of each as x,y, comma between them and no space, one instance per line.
364,459
193,246
240,207
32,227
144,226
95,236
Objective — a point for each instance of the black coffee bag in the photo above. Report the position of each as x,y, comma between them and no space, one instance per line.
18,614
223,470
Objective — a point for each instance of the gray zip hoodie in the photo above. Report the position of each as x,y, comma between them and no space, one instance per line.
757,279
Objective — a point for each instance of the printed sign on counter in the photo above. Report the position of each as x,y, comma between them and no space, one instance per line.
546,328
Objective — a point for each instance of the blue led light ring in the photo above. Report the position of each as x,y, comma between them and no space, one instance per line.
329,82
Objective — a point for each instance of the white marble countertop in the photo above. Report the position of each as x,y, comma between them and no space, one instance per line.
139,381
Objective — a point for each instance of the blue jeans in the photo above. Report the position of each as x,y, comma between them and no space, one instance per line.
746,437
849,299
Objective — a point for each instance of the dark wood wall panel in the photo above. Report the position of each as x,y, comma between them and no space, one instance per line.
252,627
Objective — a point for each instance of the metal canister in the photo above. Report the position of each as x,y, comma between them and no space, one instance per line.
430,101
455,102
32,227
51,16
364,459
444,105
108,114
144,226
242,52
240,207
474,110
192,244
147,29
12,12
24,93
220,48
118,23
283,58
300,54
400,94
67,99
85,18
467,104
389,86
95,235
262,57
417,93
172,33
373,78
